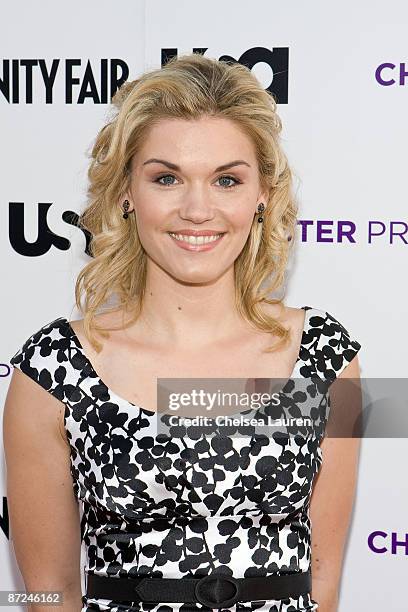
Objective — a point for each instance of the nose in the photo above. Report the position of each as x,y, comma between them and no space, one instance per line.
195,205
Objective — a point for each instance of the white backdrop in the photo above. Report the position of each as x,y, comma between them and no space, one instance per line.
345,132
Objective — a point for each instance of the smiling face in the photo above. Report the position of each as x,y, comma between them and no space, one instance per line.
195,189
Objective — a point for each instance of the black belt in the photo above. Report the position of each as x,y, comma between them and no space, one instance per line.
214,590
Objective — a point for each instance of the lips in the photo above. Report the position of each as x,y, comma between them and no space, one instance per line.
197,241
191,232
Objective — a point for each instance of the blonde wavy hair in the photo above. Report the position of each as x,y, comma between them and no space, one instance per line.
187,87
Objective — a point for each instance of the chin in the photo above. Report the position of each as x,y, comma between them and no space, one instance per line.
196,278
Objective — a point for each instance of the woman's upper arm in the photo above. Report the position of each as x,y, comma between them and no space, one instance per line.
43,510
334,488
331,503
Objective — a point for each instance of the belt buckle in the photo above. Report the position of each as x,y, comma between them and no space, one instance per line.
217,579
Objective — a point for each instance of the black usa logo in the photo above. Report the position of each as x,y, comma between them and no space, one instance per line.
277,58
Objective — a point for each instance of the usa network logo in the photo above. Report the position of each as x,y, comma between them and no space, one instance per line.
277,59
23,81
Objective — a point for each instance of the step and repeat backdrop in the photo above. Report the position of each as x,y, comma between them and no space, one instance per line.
339,71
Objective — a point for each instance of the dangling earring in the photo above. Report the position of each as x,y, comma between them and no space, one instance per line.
126,208
261,208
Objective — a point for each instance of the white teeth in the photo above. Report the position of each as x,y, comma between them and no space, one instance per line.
195,239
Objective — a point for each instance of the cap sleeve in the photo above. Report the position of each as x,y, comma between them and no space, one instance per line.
336,348
38,357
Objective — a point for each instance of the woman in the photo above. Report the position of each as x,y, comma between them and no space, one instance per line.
191,210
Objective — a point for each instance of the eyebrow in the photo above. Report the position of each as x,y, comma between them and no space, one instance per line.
237,162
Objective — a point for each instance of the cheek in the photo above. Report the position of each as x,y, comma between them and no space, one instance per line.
149,216
241,219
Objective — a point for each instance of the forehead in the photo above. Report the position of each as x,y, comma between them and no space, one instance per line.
216,139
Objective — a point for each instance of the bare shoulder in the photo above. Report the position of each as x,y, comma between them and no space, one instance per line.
105,320
289,316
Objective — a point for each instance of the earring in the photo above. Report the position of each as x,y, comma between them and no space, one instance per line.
126,208
261,208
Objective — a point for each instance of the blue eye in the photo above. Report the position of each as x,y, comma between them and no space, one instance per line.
224,177
229,178
164,176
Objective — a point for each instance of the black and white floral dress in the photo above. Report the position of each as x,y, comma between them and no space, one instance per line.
151,505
